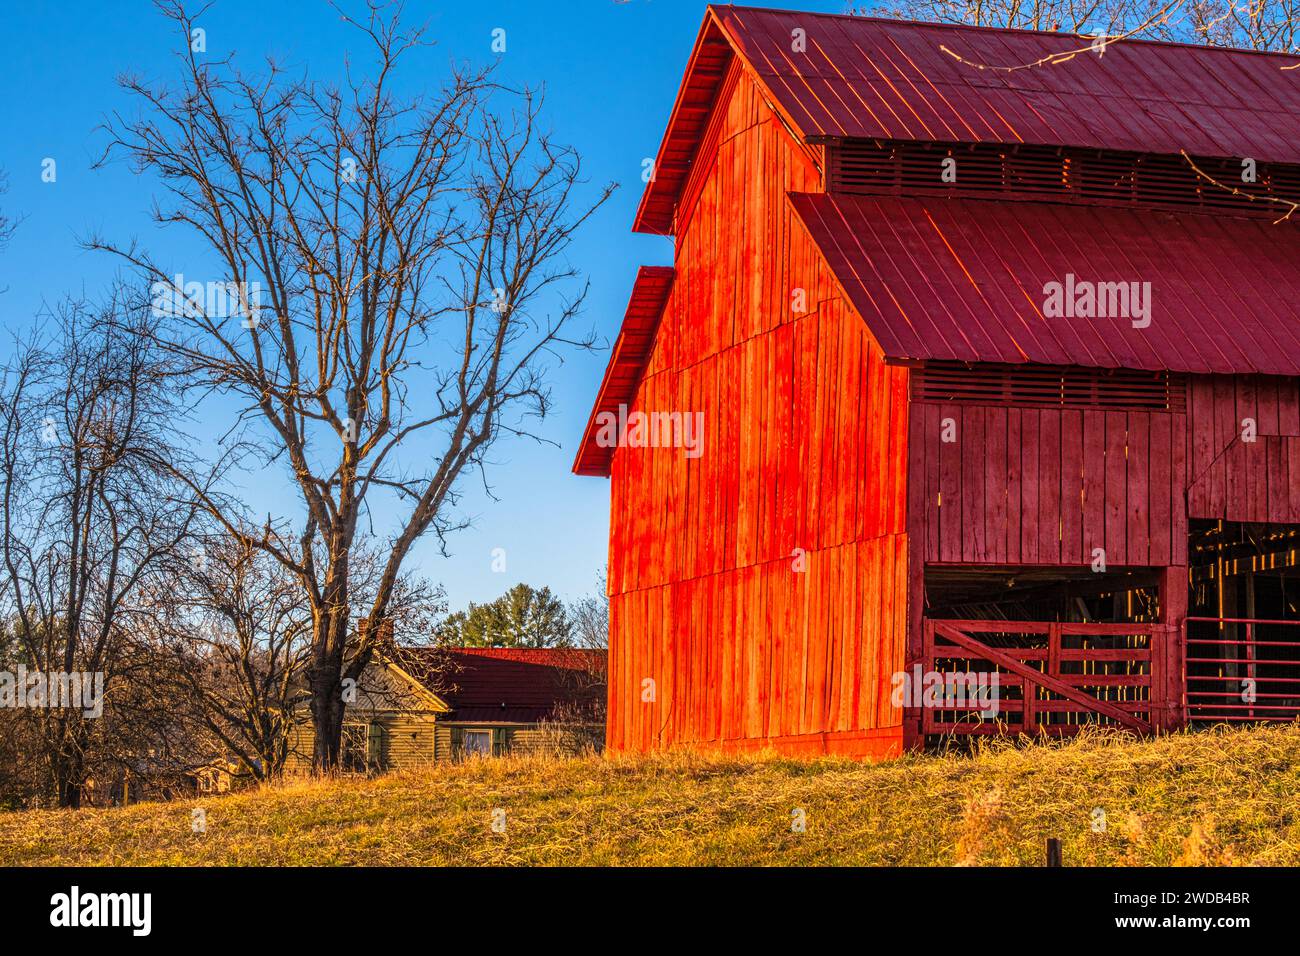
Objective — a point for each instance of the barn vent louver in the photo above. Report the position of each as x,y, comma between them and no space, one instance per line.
1051,174
1048,386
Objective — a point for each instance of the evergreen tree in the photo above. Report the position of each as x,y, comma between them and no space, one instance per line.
522,617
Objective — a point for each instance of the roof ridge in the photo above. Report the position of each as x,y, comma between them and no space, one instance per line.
1182,44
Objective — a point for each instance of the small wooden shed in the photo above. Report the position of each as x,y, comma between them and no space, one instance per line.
958,370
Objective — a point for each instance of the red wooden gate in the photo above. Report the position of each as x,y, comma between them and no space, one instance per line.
1051,677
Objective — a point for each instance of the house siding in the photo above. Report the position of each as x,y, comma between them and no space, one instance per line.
415,740
409,739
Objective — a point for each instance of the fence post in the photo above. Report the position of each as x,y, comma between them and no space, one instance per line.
1173,612
1054,851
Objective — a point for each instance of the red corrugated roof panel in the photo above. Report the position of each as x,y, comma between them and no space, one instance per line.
517,685
965,280
910,86
863,77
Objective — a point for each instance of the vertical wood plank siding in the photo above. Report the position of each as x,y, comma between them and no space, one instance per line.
1241,480
1047,486
804,448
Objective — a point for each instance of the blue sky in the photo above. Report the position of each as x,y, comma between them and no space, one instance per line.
610,71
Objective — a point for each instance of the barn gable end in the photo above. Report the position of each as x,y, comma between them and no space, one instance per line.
722,565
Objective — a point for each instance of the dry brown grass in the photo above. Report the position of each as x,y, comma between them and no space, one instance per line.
1222,797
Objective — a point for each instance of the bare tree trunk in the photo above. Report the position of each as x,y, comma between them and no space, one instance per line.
327,704
331,640
68,761
327,710
69,776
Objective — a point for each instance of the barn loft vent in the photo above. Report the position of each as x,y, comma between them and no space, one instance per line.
1048,386
1052,174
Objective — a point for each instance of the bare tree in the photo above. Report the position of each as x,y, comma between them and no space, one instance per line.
235,635
147,744
1257,25
7,223
1249,24
21,783
589,618
1073,16
576,723
86,517
406,252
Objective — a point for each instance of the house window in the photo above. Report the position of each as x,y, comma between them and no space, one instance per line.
477,743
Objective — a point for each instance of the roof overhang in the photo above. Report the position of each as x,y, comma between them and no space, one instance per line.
978,281
707,66
626,363
430,699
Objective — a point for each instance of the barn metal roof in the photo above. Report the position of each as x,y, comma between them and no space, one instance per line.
631,351
863,77
965,280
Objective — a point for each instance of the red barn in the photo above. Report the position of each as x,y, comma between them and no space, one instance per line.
959,370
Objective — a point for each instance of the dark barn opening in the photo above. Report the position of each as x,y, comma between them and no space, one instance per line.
1090,635
1243,624
1080,595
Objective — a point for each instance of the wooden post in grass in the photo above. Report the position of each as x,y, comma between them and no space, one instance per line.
1053,851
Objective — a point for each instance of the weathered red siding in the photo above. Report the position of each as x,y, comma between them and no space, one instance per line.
1048,486
1240,480
805,448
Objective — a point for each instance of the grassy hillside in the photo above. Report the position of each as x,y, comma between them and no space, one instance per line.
1218,798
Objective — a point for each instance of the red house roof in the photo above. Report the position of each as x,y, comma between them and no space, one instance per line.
863,77
518,685
964,280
